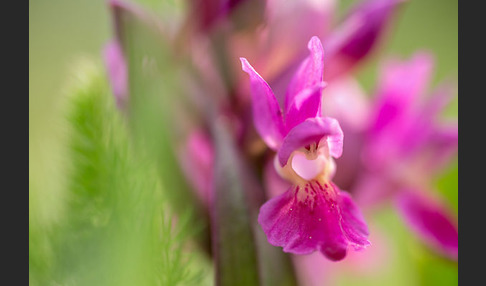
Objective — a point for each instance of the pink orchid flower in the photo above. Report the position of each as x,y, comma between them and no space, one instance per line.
313,214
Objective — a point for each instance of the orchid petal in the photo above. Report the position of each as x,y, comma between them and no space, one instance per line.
311,131
307,104
267,115
309,73
354,227
314,217
430,221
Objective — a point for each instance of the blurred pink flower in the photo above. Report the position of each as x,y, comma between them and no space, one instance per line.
405,147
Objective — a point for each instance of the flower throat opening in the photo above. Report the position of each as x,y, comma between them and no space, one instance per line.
307,163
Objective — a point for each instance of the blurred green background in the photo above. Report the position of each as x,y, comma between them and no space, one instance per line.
61,32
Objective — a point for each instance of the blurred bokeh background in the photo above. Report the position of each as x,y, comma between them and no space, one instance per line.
61,32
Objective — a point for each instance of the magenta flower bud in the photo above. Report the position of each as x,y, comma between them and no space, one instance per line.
313,214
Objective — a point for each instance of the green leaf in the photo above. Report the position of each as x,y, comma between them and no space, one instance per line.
234,247
154,113
119,227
